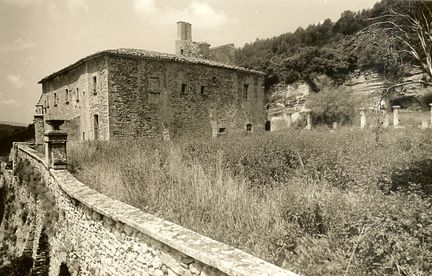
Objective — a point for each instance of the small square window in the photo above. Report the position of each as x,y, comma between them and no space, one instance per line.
249,127
222,130
184,86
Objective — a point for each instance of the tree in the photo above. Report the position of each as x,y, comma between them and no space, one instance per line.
332,105
410,24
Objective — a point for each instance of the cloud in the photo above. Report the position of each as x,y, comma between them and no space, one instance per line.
72,5
15,80
24,2
17,45
77,5
10,102
197,12
145,6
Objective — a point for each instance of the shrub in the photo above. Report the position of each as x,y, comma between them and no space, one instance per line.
332,105
321,203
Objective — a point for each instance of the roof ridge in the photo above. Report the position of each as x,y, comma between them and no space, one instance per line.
141,53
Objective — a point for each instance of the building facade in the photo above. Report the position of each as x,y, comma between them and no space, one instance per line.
133,92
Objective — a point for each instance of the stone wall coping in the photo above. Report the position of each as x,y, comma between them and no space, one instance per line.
225,258
39,157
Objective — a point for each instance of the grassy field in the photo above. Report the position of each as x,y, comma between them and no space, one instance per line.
345,202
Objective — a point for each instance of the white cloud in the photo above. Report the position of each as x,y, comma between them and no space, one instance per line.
15,80
77,5
24,2
10,102
197,12
17,45
72,5
145,6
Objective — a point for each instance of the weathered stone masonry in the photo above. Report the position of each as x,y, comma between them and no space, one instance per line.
184,99
97,235
132,92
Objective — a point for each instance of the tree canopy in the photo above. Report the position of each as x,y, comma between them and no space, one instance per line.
337,49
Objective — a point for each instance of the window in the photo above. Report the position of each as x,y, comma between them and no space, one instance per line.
55,99
83,137
154,85
77,94
184,86
181,51
245,91
249,127
67,96
203,90
222,130
46,103
94,85
267,125
214,79
96,126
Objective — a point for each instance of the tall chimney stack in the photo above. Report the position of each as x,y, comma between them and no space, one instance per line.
184,31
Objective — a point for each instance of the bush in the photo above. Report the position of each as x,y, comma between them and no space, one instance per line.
321,203
332,105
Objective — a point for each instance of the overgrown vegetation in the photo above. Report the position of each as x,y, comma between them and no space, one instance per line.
321,203
332,105
33,180
338,49
17,266
9,134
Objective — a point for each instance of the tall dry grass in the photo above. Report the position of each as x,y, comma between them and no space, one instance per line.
315,202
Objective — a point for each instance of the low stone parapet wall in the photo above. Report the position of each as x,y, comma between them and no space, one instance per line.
98,235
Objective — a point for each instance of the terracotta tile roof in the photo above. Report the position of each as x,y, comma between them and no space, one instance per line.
145,54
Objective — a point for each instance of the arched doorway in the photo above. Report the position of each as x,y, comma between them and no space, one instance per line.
42,260
64,270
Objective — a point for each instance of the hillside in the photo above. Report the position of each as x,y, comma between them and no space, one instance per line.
337,50
9,134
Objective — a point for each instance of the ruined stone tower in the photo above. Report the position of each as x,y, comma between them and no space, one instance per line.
186,47
184,44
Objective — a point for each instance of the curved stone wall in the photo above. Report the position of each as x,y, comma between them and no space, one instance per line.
97,235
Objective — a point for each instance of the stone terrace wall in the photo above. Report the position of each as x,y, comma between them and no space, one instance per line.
97,235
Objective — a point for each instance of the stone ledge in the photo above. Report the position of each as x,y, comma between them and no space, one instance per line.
215,254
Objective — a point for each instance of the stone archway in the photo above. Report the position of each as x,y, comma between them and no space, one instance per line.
64,270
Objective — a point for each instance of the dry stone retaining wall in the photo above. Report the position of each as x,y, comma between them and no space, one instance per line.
97,235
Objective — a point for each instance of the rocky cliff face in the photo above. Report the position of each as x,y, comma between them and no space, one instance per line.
369,86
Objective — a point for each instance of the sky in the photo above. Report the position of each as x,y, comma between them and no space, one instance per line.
39,37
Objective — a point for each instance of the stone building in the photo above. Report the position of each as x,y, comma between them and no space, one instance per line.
134,92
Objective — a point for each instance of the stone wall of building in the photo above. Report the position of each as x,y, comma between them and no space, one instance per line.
81,92
187,99
96,235
193,49
38,122
224,53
